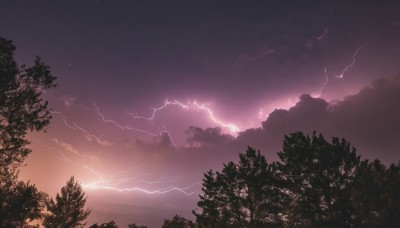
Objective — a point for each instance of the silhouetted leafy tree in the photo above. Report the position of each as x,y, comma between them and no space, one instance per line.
210,203
21,203
133,225
319,179
377,195
178,222
22,109
242,195
68,208
110,224
316,183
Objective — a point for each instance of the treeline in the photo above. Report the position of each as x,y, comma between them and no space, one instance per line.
315,183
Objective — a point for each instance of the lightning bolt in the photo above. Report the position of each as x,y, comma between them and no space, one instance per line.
62,155
185,190
323,85
75,126
190,106
64,119
165,131
340,76
68,147
116,124
97,138
114,184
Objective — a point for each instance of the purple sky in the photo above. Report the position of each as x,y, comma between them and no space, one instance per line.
151,94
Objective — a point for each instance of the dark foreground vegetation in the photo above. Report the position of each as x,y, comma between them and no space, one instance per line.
315,182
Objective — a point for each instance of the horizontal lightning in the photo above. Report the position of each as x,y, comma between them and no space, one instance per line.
234,129
185,190
114,184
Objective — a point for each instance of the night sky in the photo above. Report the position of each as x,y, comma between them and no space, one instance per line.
152,94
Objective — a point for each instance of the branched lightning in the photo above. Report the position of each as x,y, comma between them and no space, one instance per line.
75,126
352,63
64,119
68,147
123,182
122,127
190,106
145,182
91,136
61,154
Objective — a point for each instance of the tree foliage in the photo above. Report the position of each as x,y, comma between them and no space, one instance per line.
319,179
21,203
67,210
133,225
377,195
110,224
242,195
315,183
22,109
178,222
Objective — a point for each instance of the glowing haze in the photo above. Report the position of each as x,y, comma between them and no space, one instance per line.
151,94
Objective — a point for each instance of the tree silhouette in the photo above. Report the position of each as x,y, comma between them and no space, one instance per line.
110,224
178,222
377,195
21,203
242,195
22,109
315,183
133,225
68,208
319,179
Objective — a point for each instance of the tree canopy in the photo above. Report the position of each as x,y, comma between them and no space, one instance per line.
22,109
315,183
110,224
242,195
133,225
319,178
377,194
67,210
20,203
177,222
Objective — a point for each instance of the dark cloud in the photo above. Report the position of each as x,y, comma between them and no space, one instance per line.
369,119
210,136
164,140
